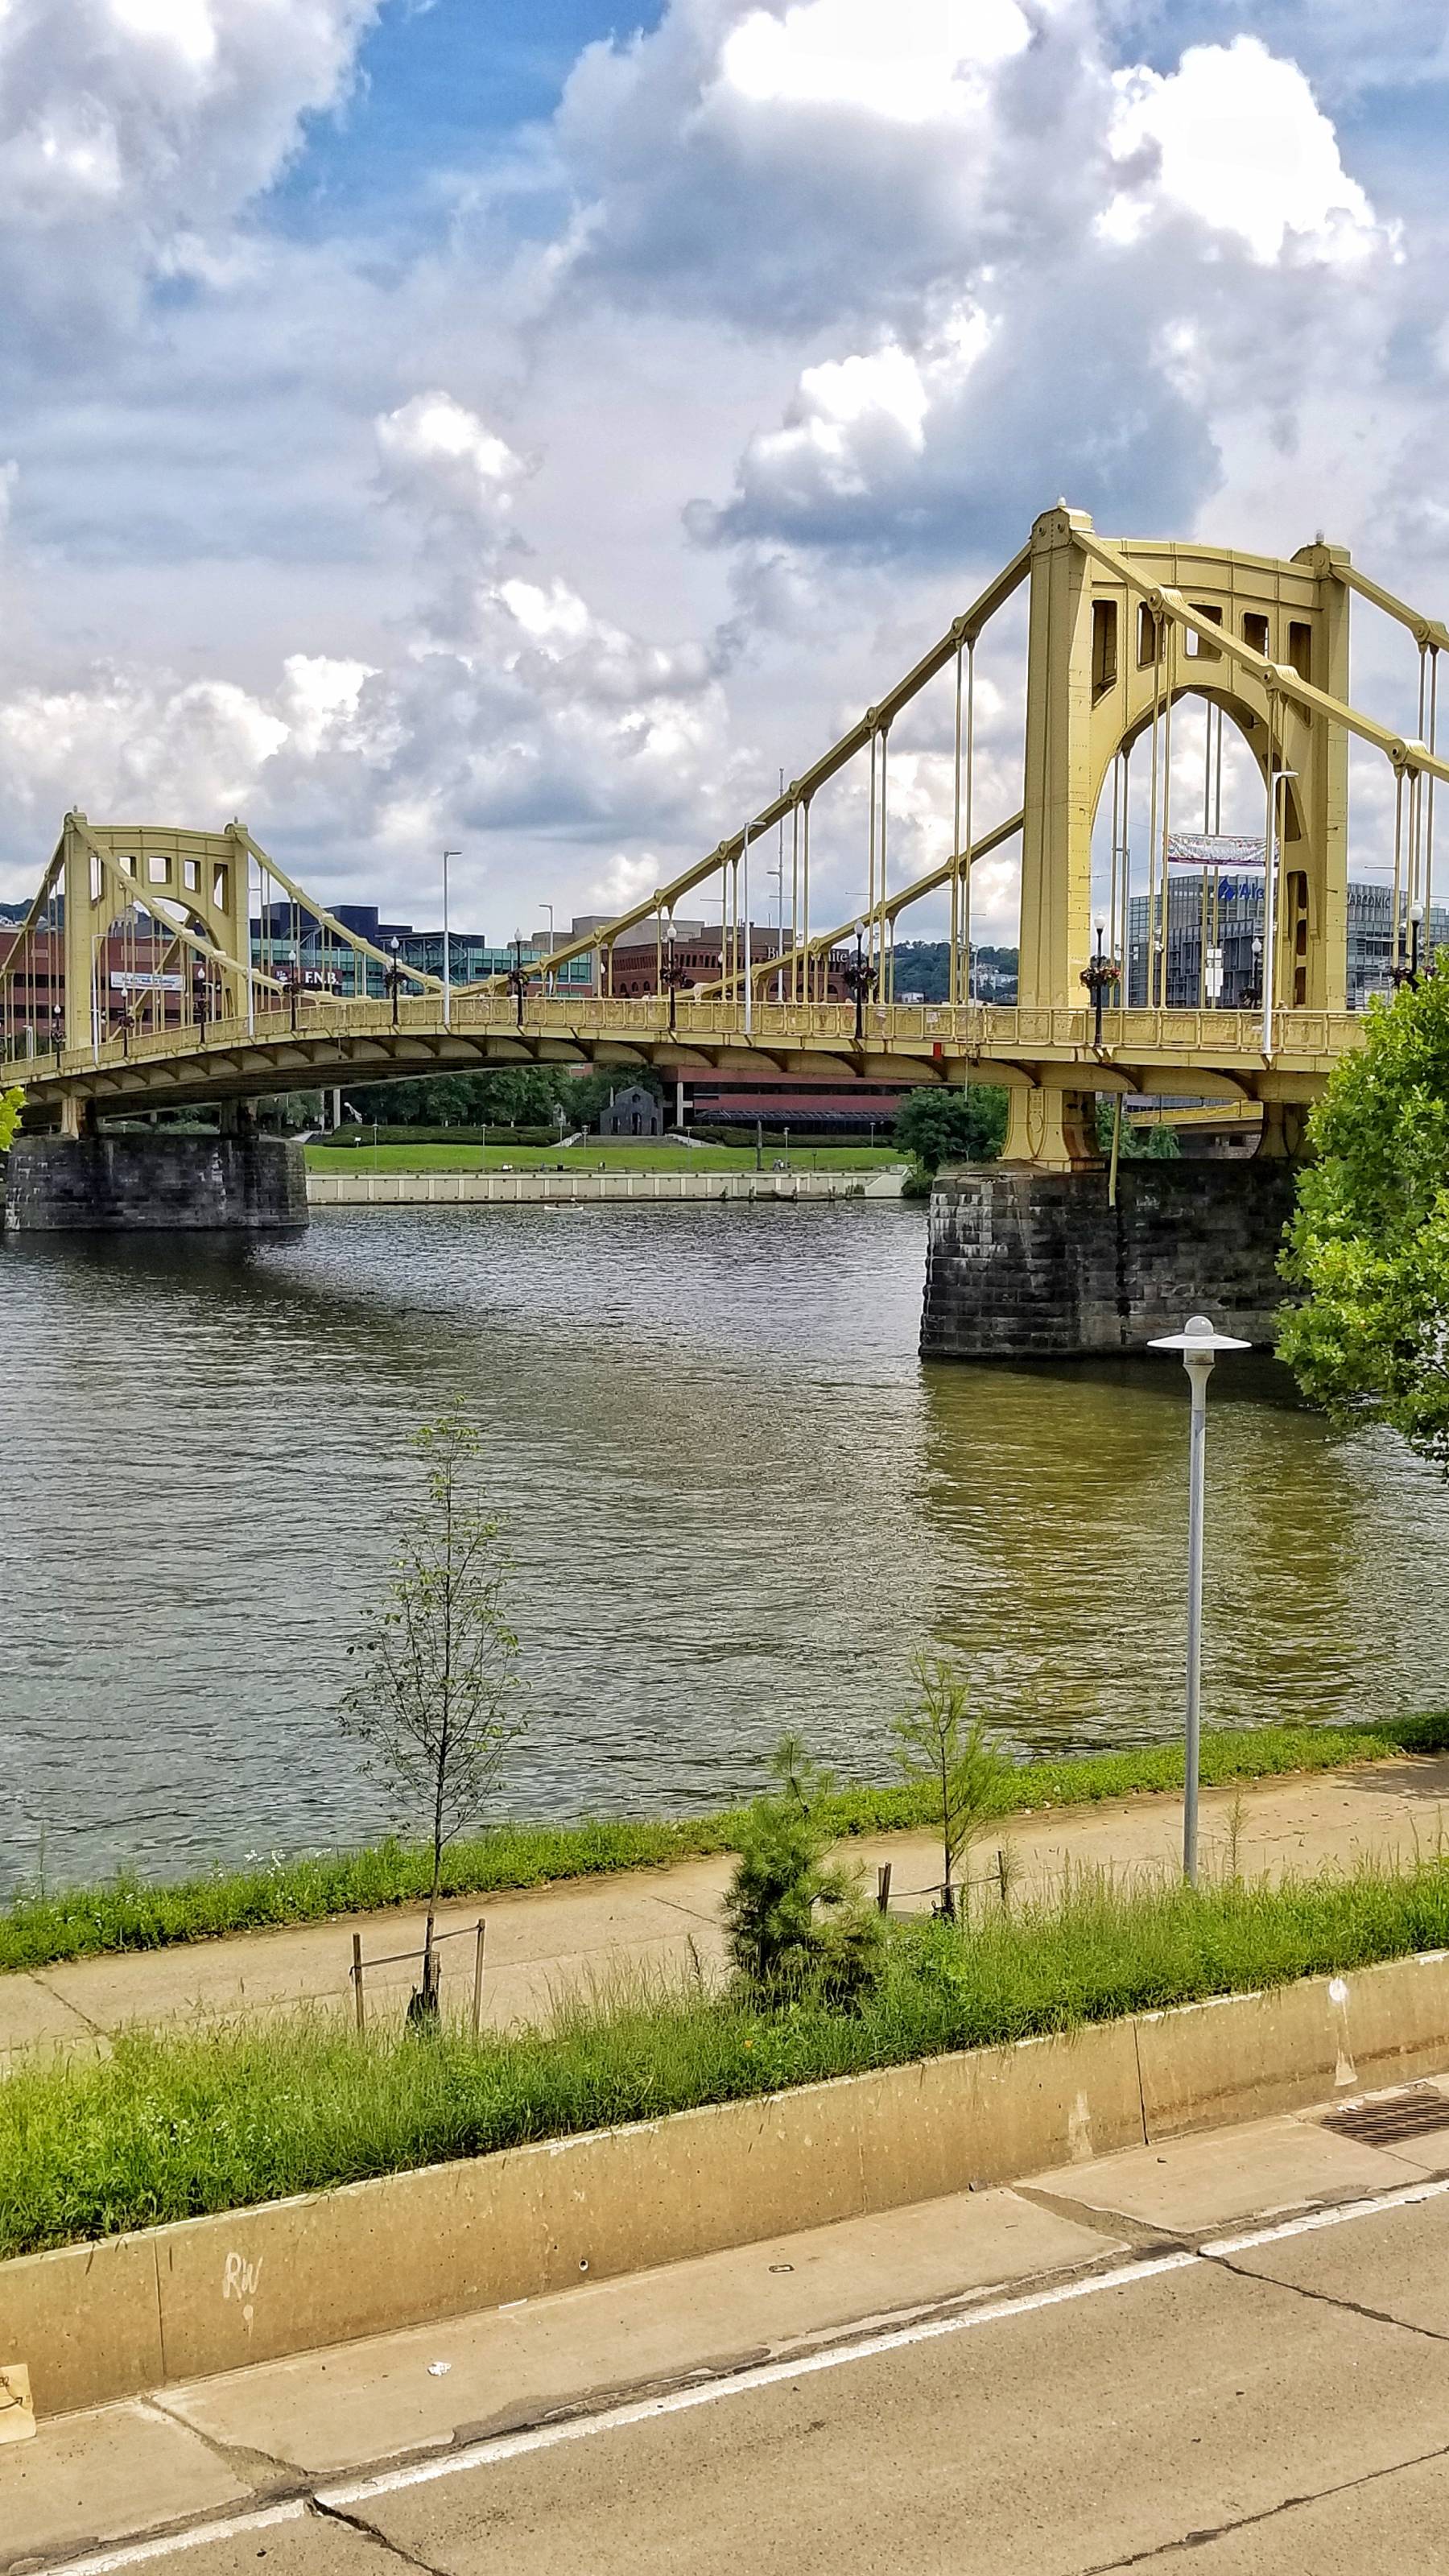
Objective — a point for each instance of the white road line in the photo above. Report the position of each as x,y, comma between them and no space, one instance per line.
502,2447
139,2553
765,2374
1310,2219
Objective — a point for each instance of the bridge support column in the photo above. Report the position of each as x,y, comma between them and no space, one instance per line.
1053,1131
245,1184
1028,1263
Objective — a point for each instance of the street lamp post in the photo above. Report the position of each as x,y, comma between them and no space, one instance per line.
516,976
447,945
548,984
1099,976
1199,1345
674,975
199,1000
393,980
859,979
1409,974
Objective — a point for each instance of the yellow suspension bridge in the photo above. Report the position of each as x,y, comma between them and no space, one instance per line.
1118,635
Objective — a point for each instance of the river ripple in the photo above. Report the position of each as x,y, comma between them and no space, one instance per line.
738,1502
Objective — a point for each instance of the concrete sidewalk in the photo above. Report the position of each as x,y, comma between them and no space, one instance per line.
547,1943
413,2444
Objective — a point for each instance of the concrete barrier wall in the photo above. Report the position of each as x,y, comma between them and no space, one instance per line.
584,1189
98,2322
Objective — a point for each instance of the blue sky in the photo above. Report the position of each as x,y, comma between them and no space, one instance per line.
529,430
438,90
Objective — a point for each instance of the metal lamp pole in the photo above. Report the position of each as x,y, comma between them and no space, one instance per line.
1199,1345
447,945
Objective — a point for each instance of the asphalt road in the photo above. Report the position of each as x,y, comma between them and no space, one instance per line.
1227,2409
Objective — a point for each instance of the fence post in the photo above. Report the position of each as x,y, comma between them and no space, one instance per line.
1001,1877
357,1979
883,1887
478,1976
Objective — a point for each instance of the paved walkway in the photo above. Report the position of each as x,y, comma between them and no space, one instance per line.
1230,2351
550,1942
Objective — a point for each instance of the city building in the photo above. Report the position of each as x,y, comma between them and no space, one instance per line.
286,938
1214,946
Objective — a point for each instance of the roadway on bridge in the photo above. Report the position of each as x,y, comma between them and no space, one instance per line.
1228,2354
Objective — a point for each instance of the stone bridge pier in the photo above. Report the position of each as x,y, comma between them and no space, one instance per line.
1030,1264
240,1183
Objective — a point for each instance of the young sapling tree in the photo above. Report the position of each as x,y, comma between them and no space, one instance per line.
938,1740
437,1698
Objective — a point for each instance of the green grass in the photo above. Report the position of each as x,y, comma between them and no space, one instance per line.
616,1154
172,2127
129,1913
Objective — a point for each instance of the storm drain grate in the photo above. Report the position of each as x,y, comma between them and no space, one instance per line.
1398,2115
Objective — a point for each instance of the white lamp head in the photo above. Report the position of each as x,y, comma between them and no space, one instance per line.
1198,1342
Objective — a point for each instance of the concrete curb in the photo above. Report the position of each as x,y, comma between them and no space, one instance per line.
105,2321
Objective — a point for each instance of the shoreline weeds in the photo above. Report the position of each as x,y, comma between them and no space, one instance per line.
130,1914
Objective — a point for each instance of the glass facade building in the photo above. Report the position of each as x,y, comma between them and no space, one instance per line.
1215,940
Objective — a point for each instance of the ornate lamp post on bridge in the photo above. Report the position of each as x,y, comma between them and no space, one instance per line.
200,998
1409,973
517,979
393,981
1099,976
672,975
1199,1345
860,979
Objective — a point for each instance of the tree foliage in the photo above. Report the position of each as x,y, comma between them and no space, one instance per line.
1156,1144
938,1740
951,1124
436,1702
11,1104
796,1922
1369,1243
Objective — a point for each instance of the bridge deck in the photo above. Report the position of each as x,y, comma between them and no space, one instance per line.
1214,1053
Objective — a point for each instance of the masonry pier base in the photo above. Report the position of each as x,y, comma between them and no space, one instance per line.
1031,1264
240,1184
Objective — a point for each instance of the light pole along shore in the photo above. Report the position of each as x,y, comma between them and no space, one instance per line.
1199,1345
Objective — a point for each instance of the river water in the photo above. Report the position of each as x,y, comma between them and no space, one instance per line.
737,1502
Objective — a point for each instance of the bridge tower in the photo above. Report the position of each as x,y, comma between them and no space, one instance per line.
1105,668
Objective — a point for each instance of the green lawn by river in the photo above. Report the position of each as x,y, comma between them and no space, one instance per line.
615,1154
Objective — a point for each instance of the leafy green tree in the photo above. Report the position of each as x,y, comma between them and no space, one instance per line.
436,1701
938,1740
11,1104
940,1124
1369,1243
796,1921
1158,1144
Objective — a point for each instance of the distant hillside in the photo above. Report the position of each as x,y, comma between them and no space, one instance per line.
924,966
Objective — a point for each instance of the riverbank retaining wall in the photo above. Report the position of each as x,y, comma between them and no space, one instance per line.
1023,1264
244,1184
585,1189
98,2322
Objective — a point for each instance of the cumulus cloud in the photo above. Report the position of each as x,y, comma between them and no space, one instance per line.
559,542
1114,359
130,129
1235,137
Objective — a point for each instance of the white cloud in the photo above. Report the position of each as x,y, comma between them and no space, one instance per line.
915,63
1234,137
878,283
127,124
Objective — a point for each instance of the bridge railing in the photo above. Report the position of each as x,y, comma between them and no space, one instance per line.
780,1032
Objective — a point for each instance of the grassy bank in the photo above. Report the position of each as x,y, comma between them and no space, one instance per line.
173,2127
128,1913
